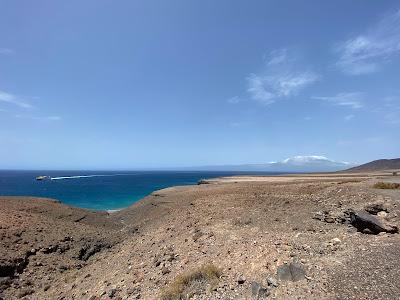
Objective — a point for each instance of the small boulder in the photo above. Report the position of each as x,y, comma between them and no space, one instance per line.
382,214
165,270
112,293
375,208
272,282
241,279
197,235
365,222
291,272
329,219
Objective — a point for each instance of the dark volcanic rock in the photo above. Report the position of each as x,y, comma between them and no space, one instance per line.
328,217
50,249
4,283
241,279
366,222
291,272
8,268
90,249
375,208
112,293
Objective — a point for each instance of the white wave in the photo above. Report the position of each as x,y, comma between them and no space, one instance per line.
88,176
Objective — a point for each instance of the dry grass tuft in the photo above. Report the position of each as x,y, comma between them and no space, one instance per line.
186,285
387,185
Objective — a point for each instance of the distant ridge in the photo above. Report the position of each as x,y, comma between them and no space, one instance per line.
297,164
377,165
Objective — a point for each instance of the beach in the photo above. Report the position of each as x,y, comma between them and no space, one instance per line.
275,237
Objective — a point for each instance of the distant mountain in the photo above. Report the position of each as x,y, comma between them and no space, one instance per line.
311,163
377,165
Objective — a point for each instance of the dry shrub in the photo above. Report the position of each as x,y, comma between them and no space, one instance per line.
387,185
196,281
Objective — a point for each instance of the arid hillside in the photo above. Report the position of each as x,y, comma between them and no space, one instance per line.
378,165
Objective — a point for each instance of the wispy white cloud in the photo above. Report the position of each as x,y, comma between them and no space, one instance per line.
348,117
391,110
22,108
282,77
238,124
391,102
277,56
258,90
353,100
392,118
267,89
387,109
43,118
234,100
6,51
54,118
367,141
367,52
14,100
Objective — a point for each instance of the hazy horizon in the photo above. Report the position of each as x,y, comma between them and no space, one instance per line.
297,164
125,85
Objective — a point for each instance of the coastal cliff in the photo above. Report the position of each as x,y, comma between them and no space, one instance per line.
315,237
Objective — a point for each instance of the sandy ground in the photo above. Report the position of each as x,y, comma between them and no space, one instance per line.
297,177
270,237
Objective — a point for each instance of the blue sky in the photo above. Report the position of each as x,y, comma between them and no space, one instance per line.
136,84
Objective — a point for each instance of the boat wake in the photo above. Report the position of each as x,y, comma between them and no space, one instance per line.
88,176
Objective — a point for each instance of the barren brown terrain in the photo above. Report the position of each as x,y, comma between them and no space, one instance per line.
284,237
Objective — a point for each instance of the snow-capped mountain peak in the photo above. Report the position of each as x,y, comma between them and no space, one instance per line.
299,163
310,163
300,159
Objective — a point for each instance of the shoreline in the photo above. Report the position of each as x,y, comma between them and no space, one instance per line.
277,178
126,202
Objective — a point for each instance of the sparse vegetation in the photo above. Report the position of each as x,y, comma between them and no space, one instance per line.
195,282
387,185
349,181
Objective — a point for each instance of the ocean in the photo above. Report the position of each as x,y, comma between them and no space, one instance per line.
98,190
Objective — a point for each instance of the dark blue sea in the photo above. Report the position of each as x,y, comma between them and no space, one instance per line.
98,190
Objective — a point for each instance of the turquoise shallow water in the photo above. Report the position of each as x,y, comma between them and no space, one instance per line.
98,190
